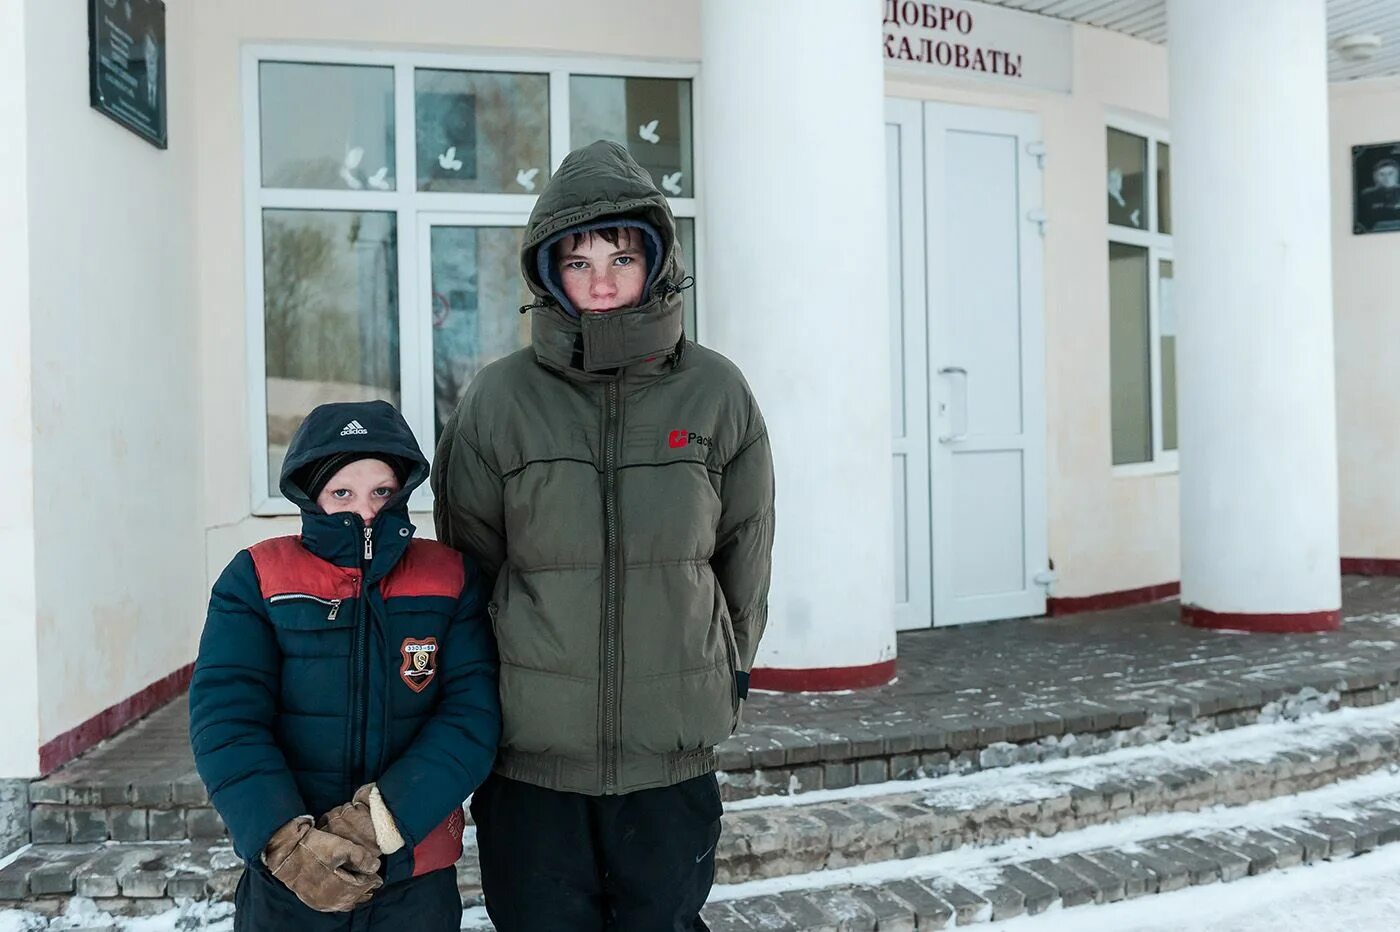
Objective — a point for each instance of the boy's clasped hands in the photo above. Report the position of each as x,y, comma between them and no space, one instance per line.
332,865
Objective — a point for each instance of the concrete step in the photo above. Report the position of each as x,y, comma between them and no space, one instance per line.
1095,865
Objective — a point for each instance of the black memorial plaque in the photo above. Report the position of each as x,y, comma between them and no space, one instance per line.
126,64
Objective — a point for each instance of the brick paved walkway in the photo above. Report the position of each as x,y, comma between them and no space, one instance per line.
1025,678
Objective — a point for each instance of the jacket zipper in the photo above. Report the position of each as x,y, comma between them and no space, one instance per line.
611,690
359,661
308,597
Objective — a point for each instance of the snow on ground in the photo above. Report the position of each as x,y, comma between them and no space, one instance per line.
1357,895
82,913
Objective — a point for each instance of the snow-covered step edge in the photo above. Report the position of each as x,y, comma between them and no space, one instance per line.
1145,856
901,820
783,760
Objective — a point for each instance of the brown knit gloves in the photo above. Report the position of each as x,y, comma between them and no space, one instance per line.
329,873
333,866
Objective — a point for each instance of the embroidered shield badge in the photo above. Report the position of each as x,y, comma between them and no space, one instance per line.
419,662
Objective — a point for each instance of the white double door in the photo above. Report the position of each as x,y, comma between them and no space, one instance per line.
966,286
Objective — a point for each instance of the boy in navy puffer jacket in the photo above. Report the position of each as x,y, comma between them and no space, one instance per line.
344,702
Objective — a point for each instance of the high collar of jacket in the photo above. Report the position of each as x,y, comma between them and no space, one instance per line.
340,539
639,341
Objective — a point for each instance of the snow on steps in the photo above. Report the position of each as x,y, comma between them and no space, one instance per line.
1102,864
929,828
773,837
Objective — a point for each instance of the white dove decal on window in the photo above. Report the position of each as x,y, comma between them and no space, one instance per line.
672,183
449,161
648,132
377,180
526,178
353,156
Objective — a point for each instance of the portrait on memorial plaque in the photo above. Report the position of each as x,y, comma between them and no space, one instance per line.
1375,179
127,65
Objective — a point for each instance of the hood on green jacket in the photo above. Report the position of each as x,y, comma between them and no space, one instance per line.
597,183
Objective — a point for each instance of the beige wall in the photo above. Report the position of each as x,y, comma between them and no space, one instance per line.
1366,307
19,749
660,29
1108,531
115,379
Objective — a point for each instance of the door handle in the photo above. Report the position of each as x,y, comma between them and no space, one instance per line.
962,434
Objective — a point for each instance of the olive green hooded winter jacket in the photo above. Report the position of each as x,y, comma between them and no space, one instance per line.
617,480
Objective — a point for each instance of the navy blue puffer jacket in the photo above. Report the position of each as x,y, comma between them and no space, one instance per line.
344,656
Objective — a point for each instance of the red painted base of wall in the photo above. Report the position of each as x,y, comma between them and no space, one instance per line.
1295,623
1107,600
1370,566
822,679
112,719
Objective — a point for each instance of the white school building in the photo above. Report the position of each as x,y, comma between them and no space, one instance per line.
1050,305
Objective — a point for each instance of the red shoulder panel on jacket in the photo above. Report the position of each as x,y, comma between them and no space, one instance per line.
426,568
285,566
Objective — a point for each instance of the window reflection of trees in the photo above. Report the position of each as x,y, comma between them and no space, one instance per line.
477,292
331,314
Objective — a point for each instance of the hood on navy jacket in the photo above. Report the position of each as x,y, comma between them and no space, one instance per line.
368,427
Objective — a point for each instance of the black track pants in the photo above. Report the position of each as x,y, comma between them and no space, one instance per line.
641,862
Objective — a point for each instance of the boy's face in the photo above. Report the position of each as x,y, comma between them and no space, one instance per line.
361,487
598,276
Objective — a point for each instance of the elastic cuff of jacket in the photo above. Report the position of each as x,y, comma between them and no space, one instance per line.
742,679
386,832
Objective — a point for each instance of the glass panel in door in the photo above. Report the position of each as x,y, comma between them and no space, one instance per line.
476,297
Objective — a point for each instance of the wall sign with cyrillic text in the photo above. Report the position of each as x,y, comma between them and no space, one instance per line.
126,65
980,41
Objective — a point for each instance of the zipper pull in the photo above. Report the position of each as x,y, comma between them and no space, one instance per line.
369,544
335,609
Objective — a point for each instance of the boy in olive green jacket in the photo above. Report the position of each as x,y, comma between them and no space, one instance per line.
615,478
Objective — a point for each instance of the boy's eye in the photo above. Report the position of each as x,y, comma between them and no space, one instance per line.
341,493
625,260
577,265
383,491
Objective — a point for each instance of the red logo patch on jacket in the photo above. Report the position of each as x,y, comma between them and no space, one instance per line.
419,662
681,438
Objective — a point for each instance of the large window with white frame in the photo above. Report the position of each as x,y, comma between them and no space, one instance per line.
387,194
1142,316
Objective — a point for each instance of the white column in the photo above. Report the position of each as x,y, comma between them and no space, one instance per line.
794,287
19,661
1252,242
